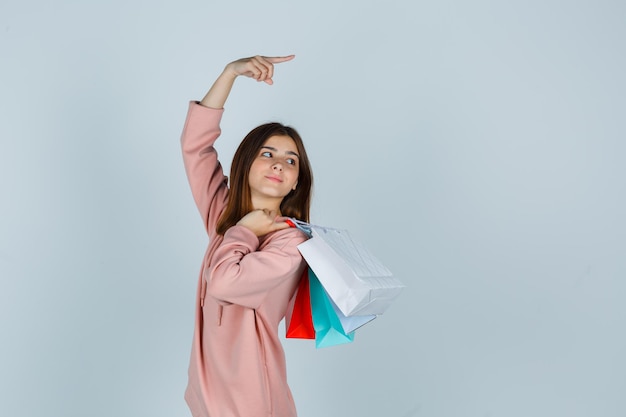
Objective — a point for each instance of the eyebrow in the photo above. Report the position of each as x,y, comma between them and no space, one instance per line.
276,150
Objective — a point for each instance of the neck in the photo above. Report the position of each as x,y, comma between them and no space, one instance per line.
272,204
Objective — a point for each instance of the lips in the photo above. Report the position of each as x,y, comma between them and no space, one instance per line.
273,178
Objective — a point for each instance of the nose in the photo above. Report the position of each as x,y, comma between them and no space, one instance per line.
278,167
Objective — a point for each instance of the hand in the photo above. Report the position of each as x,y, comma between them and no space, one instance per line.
261,68
258,67
262,222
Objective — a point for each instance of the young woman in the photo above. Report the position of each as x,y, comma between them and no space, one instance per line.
252,266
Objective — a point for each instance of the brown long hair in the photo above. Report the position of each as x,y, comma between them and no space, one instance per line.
295,204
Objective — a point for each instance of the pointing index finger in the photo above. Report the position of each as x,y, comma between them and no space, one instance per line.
279,59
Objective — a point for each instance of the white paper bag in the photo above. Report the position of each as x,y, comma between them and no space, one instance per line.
357,282
351,323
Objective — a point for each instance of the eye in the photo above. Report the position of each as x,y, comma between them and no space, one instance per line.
291,161
266,154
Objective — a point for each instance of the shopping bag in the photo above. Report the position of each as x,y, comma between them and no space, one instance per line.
298,320
328,329
357,282
351,323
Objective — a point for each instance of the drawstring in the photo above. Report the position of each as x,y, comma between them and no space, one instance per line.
203,288
220,309
202,291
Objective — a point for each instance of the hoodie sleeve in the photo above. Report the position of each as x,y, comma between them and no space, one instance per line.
208,184
242,273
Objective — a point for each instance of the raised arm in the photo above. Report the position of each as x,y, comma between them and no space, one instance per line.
260,68
204,172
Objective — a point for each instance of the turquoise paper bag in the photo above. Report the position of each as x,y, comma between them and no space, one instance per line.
328,328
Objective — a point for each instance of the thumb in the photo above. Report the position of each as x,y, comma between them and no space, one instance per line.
280,223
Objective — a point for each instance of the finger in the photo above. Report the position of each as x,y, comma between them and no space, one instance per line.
268,63
279,59
266,67
258,71
280,219
280,226
253,69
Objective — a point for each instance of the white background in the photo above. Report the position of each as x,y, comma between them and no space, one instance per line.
477,148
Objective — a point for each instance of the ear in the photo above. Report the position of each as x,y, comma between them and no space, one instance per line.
295,185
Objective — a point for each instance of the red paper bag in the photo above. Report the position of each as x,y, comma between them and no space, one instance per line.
299,323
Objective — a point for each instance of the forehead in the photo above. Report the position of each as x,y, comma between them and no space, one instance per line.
281,143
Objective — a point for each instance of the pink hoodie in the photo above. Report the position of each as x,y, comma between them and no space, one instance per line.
237,366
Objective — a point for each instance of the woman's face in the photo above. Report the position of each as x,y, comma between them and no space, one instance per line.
274,171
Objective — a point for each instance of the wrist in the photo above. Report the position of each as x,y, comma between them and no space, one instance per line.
229,71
